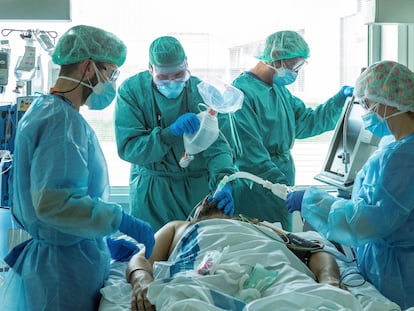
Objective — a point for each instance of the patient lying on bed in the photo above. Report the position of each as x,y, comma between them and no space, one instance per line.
216,263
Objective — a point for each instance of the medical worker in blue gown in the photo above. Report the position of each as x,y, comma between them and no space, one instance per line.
61,184
263,131
378,220
154,109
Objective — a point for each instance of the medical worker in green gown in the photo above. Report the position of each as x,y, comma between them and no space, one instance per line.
270,120
154,109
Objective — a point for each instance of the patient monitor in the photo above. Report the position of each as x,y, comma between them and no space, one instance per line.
350,148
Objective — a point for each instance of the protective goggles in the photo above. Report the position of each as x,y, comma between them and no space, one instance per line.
294,64
165,78
111,73
366,104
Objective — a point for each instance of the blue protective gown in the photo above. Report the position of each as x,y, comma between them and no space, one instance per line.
267,125
60,184
161,190
378,220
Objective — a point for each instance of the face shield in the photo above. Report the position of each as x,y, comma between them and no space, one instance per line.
165,75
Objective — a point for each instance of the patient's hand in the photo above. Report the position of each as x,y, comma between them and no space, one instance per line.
140,280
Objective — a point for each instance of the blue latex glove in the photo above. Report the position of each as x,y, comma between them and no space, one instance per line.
121,250
224,200
188,123
139,230
294,201
347,91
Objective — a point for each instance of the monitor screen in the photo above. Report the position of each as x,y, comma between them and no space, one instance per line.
350,148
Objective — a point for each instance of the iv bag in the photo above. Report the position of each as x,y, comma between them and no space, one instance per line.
221,97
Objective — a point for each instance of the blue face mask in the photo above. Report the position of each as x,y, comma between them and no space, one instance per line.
171,89
284,76
102,95
375,124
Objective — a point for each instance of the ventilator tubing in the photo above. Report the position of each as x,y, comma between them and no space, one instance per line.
279,190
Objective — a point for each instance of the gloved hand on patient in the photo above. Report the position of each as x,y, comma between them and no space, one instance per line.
224,200
188,123
294,201
139,230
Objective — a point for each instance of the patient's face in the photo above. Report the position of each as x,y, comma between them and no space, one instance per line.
208,210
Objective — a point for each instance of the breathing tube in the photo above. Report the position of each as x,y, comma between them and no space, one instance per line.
279,190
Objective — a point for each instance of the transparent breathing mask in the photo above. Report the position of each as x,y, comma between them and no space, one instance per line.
220,96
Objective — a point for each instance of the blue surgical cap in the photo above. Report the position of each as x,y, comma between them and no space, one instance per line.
166,51
82,42
284,45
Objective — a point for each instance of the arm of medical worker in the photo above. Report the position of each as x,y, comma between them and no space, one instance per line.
324,117
138,229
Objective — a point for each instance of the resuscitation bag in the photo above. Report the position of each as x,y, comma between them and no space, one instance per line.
203,138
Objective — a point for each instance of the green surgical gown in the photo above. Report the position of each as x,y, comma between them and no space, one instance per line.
161,190
267,125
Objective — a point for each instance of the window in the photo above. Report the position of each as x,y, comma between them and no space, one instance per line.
220,39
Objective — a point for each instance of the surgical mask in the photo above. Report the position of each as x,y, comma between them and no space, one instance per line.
103,93
171,89
284,76
376,124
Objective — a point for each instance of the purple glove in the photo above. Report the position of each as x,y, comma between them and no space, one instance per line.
294,201
224,200
139,230
188,123
347,91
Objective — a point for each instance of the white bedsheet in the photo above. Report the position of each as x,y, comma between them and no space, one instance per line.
293,289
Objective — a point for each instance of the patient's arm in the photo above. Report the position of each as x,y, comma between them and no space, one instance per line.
139,269
325,269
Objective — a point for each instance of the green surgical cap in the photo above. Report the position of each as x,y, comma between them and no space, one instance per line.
283,45
83,42
166,52
388,83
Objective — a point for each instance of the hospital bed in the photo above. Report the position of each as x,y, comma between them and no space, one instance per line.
116,293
